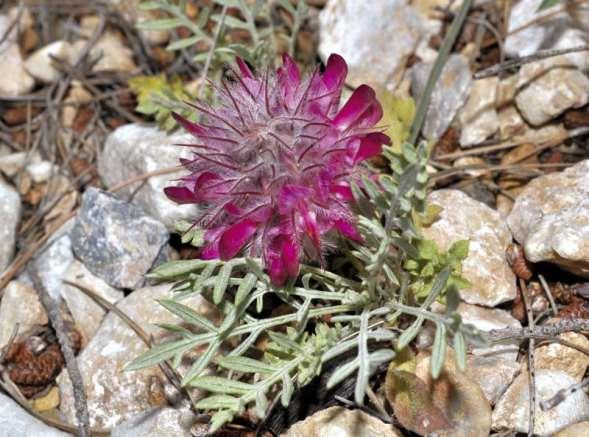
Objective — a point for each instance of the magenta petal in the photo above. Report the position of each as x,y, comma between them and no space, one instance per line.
371,145
180,194
335,72
276,271
348,230
343,192
188,125
290,257
290,194
359,102
310,227
235,237
289,72
243,68
210,251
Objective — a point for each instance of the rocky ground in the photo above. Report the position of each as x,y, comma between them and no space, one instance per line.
81,200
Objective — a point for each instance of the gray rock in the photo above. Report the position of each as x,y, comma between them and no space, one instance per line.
116,240
554,31
56,260
492,368
133,13
158,422
132,150
512,410
550,219
116,395
16,422
40,63
20,305
14,79
463,218
86,313
375,41
340,422
10,210
478,118
450,93
551,94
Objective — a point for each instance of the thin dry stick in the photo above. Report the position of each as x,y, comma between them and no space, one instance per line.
531,366
545,331
534,57
144,176
205,70
546,289
65,343
562,394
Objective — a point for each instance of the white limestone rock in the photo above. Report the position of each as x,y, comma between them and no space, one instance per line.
10,212
463,218
132,150
550,219
375,41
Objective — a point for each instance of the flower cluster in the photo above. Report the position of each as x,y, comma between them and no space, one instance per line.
274,162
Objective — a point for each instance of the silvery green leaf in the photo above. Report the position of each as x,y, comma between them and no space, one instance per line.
287,390
410,333
159,353
261,403
244,289
222,282
438,350
342,373
245,365
439,284
217,384
218,402
254,266
460,350
381,356
150,5
160,24
202,362
285,341
177,329
231,21
174,269
183,43
219,419
547,4
188,314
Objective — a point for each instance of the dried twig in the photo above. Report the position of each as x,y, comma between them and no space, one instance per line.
542,54
54,314
544,332
531,356
546,289
205,70
562,394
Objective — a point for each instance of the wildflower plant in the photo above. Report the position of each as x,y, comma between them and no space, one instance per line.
292,212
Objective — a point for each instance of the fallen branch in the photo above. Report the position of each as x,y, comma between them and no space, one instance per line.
65,343
534,57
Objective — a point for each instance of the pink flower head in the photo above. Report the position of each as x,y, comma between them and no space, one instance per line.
274,162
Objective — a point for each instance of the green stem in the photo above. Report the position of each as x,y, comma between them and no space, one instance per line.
436,71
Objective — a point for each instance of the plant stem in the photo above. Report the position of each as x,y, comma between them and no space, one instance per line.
436,71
